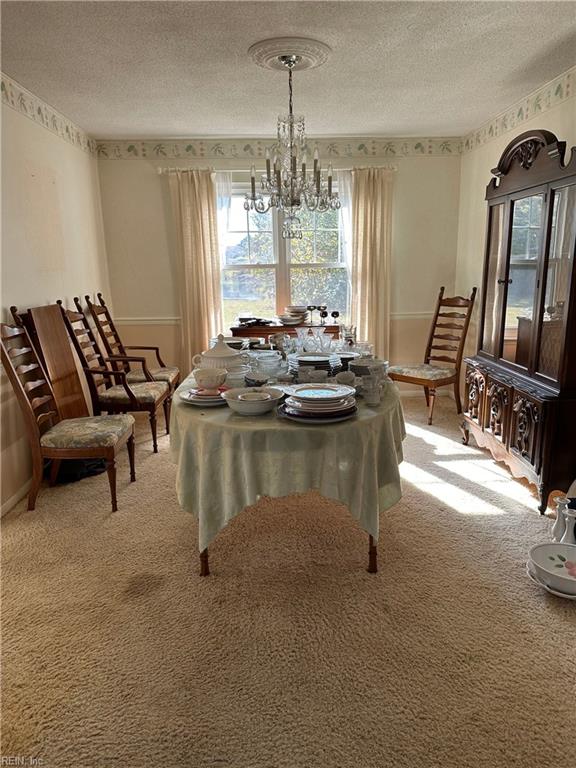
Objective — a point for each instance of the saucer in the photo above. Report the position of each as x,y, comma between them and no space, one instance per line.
536,580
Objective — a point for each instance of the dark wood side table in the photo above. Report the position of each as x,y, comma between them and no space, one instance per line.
265,330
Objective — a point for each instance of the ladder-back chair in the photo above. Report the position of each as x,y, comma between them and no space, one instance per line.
109,388
113,345
445,345
50,436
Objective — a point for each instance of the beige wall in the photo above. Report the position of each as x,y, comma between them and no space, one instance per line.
474,177
139,233
52,247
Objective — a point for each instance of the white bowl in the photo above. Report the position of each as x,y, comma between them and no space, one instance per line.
549,561
252,407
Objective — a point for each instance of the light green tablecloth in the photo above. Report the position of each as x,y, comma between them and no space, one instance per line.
226,461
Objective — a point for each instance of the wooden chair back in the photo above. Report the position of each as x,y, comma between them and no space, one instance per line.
107,330
59,360
86,346
449,328
29,380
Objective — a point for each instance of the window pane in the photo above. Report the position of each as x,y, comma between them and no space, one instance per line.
236,248
320,285
260,222
237,219
521,289
249,292
327,246
496,261
302,251
328,220
558,275
261,248
306,219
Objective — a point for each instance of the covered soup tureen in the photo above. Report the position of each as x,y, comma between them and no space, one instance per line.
220,356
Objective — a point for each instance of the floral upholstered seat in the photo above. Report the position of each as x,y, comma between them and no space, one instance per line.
169,374
147,392
88,432
421,371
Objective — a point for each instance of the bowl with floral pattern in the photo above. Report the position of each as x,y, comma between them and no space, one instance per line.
555,565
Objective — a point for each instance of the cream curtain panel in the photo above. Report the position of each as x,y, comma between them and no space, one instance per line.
372,191
194,203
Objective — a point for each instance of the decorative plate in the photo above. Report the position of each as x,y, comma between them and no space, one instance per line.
316,392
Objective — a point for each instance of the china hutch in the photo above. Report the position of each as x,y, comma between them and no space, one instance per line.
520,387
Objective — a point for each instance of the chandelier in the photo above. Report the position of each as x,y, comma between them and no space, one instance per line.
289,183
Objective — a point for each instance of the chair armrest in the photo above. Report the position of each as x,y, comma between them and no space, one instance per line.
131,359
119,377
151,349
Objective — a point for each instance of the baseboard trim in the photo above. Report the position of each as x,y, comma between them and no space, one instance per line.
15,498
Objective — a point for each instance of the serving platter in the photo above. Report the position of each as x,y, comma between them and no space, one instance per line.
319,406
192,397
283,413
320,392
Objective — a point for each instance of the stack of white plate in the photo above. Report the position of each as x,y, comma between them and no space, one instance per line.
319,403
202,398
553,566
321,361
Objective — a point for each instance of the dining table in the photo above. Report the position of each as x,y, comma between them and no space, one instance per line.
226,461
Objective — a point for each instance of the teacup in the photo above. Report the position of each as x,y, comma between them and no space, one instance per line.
346,377
209,379
304,373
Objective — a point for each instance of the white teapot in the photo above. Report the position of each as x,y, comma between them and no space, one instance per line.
220,356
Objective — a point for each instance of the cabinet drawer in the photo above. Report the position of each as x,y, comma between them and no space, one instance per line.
527,429
498,410
475,385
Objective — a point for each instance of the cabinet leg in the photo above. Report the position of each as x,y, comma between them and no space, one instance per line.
204,565
465,432
544,493
372,556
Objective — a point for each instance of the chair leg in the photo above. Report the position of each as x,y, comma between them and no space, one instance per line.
457,397
372,556
204,565
111,470
431,407
35,487
167,405
130,447
153,430
54,468
427,396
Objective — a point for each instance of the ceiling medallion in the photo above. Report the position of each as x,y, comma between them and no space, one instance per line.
288,183
268,53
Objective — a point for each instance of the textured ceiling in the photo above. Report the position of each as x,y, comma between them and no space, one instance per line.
145,69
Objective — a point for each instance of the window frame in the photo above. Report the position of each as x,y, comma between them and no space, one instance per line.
282,263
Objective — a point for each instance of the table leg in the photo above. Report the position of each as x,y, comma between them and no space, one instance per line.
204,567
372,556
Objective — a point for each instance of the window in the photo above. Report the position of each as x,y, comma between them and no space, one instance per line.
262,273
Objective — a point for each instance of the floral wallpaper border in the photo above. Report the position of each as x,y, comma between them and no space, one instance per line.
19,98
249,148
538,102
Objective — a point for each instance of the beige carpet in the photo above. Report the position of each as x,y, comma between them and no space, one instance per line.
115,652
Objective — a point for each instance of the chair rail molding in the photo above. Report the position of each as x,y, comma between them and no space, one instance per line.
176,320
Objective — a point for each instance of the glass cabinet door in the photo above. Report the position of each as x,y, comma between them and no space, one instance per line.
494,287
527,232
557,280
